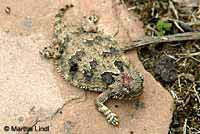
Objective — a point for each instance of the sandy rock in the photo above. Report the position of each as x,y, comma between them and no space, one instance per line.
66,109
27,84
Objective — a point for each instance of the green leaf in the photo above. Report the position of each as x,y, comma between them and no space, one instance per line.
163,27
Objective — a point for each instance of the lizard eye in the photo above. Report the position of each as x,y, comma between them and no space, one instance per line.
107,78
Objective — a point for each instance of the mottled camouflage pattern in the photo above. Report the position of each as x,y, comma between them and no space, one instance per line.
92,61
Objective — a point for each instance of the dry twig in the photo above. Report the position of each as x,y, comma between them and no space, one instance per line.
162,39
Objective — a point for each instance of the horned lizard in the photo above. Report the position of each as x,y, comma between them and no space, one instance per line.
92,61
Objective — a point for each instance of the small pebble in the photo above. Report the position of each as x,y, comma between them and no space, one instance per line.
8,10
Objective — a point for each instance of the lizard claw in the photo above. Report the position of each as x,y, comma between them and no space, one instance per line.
112,119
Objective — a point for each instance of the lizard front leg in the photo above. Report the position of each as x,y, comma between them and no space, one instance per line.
109,115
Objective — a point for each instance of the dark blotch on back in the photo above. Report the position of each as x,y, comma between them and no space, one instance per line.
93,64
107,78
88,75
73,67
119,65
73,62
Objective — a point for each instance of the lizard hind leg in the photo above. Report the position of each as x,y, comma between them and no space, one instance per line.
109,115
51,52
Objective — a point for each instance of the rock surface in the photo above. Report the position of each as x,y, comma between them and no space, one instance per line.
31,92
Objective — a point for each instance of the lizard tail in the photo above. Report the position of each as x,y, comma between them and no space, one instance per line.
58,20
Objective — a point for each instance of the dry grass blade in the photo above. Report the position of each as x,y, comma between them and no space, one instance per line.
185,127
196,93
